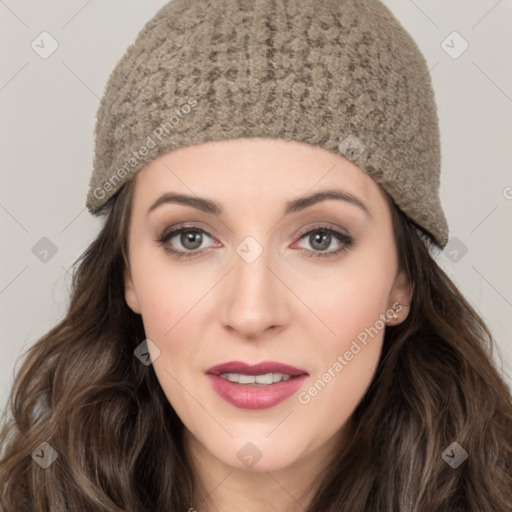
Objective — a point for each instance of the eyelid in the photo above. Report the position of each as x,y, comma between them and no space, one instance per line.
321,225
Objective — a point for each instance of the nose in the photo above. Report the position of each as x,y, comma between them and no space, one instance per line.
256,298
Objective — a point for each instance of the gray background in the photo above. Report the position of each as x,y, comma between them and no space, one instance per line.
48,107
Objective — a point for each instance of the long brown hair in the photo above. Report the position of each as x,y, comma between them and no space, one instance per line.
119,441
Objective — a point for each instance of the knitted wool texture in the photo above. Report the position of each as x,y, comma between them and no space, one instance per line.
343,75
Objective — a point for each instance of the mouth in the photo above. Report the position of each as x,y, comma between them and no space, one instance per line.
255,386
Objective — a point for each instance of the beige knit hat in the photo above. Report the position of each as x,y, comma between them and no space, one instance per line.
343,75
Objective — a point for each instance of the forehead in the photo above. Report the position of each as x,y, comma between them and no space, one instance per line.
252,170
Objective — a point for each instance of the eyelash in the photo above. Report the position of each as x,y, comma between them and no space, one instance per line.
346,240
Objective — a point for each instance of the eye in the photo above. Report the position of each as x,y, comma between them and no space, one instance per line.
321,238
190,237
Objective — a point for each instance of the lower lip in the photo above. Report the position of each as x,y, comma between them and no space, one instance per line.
255,396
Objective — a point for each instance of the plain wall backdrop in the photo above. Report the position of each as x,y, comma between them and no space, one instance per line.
48,107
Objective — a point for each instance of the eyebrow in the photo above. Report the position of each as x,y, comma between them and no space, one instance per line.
293,206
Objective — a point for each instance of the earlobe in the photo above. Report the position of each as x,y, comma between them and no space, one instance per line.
399,300
130,295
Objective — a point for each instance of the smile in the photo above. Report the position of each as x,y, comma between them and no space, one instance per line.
257,386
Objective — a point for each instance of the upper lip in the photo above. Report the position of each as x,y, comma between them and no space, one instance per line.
257,369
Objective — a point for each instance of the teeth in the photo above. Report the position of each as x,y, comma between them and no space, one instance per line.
268,378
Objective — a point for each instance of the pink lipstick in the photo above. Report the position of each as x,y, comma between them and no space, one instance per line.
255,386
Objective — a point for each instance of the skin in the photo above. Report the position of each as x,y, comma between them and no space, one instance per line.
284,306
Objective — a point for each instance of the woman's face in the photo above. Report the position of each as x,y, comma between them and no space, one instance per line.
267,273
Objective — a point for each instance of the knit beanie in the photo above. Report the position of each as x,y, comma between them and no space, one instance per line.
343,75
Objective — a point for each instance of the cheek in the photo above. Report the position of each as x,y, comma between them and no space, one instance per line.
164,292
166,300
349,298
351,305
172,302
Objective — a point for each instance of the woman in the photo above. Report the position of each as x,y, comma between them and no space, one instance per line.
260,324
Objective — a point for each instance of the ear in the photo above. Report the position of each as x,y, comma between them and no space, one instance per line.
399,299
130,295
